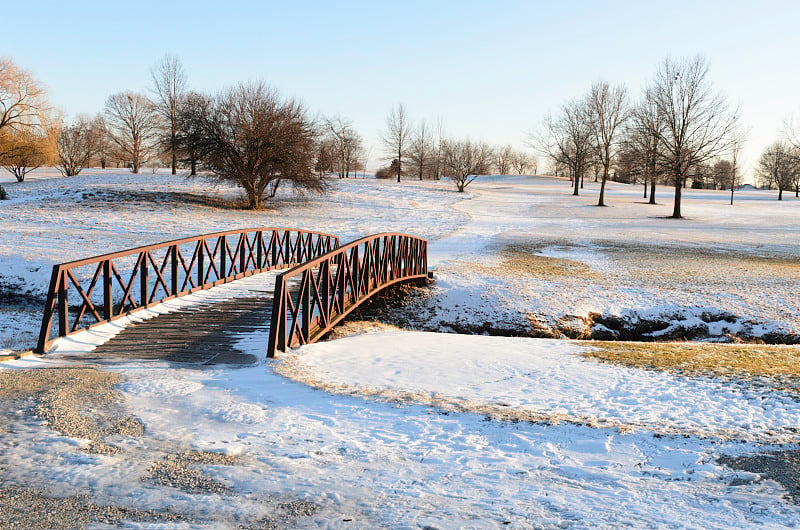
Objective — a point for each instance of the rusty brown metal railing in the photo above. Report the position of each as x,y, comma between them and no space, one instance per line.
113,285
313,297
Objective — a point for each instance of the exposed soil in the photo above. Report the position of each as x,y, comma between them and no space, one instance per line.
780,466
701,325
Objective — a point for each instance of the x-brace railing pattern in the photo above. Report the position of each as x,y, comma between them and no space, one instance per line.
313,297
110,286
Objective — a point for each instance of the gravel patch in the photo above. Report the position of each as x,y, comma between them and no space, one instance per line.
183,471
77,402
22,508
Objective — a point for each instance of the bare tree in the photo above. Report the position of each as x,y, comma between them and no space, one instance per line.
346,144
608,111
522,163
438,146
102,143
698,126
193,109
737,143
22,99
77,144
643,141
504,159
131,122
778,167
169,86
28,148
568,140
420,150
257,141
465,160
395,138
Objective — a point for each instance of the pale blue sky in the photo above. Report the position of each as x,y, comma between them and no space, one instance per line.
490,70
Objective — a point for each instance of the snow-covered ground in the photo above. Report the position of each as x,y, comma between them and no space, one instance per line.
406,429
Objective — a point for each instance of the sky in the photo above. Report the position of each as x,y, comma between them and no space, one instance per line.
488,70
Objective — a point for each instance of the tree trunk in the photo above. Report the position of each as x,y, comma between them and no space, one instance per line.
577,182
780,193
676,209
652,191
603,187
732,187
174,159
193,164
645,190
399,164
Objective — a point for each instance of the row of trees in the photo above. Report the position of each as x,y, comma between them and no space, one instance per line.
678,127
424,152
779,167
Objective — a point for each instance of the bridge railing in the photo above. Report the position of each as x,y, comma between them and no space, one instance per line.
313,297
92,291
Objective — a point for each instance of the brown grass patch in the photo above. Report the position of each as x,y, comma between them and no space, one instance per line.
522,261
748,360
359,327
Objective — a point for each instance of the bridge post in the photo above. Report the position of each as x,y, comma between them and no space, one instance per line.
260,253
305,304
63,304
108,302
201,254
223,256
144,286
174,269
242,246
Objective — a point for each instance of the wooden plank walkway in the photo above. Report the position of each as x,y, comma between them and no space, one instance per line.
202,334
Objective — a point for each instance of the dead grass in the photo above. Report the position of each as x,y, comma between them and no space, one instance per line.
748,360
359,327
522,261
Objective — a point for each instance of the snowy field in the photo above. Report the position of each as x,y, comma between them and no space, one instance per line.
413,429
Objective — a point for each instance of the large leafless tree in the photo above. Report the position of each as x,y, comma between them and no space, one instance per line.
465,160
396,136
608,111
257,140
169,86
697,122
345,144
642,142
779,167
421,149
568,140
132,126
193,110
77,142
22,98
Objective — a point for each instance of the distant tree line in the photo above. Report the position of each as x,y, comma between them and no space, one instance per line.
679,130
247,134
423,152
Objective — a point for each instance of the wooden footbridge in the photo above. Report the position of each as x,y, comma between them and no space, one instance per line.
318,284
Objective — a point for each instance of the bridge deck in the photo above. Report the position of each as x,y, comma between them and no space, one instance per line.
204,333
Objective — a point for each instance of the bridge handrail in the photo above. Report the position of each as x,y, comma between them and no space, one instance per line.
332,285
256,250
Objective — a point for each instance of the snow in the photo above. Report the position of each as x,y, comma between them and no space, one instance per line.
405,429
550,378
